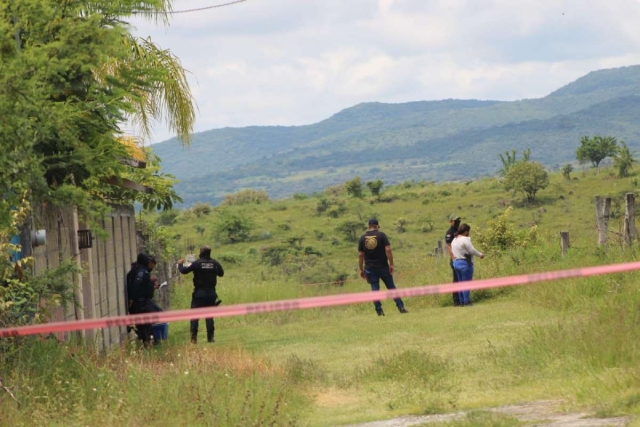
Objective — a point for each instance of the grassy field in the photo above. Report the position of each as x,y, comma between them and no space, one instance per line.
574,340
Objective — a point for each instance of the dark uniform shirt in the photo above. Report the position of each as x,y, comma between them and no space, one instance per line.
139,284
373,244
451,233
205,273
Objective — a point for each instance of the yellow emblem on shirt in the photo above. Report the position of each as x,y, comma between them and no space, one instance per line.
370,242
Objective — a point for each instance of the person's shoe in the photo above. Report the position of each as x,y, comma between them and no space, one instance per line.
211,340
403,310
194,340
380,312
217,303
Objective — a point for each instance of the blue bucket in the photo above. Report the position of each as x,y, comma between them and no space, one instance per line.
160,331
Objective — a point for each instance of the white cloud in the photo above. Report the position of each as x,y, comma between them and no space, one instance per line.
288,62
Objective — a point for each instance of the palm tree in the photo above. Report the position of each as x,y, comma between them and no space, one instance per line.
624,160
153,75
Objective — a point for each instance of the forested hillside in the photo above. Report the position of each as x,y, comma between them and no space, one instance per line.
433,140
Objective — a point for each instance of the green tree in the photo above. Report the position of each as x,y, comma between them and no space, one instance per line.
350,229
510,158
566,171
232,226
624,160
354,187
596,149
526,177
201,209
375,187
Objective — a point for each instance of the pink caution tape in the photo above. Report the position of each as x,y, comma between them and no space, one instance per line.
313,302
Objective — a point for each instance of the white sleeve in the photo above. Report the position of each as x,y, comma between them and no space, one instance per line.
470,249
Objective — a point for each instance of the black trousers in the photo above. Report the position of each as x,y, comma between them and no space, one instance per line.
144,331
203,298
456,295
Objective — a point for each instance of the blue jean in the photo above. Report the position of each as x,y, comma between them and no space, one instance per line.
374,275
464,270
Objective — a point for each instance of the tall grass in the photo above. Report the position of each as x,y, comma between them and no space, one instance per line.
59,385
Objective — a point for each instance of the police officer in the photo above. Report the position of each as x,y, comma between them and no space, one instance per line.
140,290
454,223
375,261
205,277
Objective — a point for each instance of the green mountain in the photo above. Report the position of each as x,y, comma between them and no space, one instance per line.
432,140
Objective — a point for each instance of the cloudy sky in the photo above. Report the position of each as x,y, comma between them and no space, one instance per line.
293,62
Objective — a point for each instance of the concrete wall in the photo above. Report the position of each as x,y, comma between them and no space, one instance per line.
100,289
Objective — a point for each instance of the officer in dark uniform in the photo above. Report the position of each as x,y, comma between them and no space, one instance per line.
454,223
140,290
205,277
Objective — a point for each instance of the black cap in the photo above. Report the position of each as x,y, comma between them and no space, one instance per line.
373,221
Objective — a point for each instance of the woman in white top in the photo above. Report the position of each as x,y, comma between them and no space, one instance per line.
463,253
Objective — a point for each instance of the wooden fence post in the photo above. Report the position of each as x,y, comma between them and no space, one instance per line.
440,252
564,242
603,208
630,233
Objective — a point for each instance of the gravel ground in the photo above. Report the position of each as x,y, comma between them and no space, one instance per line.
543,413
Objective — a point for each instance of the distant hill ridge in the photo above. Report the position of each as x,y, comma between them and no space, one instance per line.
435,140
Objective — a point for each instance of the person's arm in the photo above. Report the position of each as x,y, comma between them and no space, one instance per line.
185,270
447,242
471,250
387,249
449,251
219,269
361,263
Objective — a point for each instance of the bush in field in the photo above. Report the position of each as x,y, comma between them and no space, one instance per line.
232,227
375,187
245,197
201,209
401,225
168,217
527,178
354,187
332,208
351,230
501,234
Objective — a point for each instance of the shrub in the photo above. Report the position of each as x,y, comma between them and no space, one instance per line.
299,196
401,225
526,177
354,187
375,187
168,217
232,226
500,234
245,197
350,229
201,209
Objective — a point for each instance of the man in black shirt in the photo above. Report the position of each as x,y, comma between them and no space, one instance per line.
454,223
205,277
139,291
375,260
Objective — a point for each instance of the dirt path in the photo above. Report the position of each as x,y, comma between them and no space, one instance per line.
543,413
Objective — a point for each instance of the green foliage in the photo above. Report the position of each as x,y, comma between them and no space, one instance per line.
157,240
596,149
332,207
566,171
526,177
500,234
232,226
624,160
375,187
245,197
201,209
168,217
401,224
510,158
354,187
350,230
200,230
